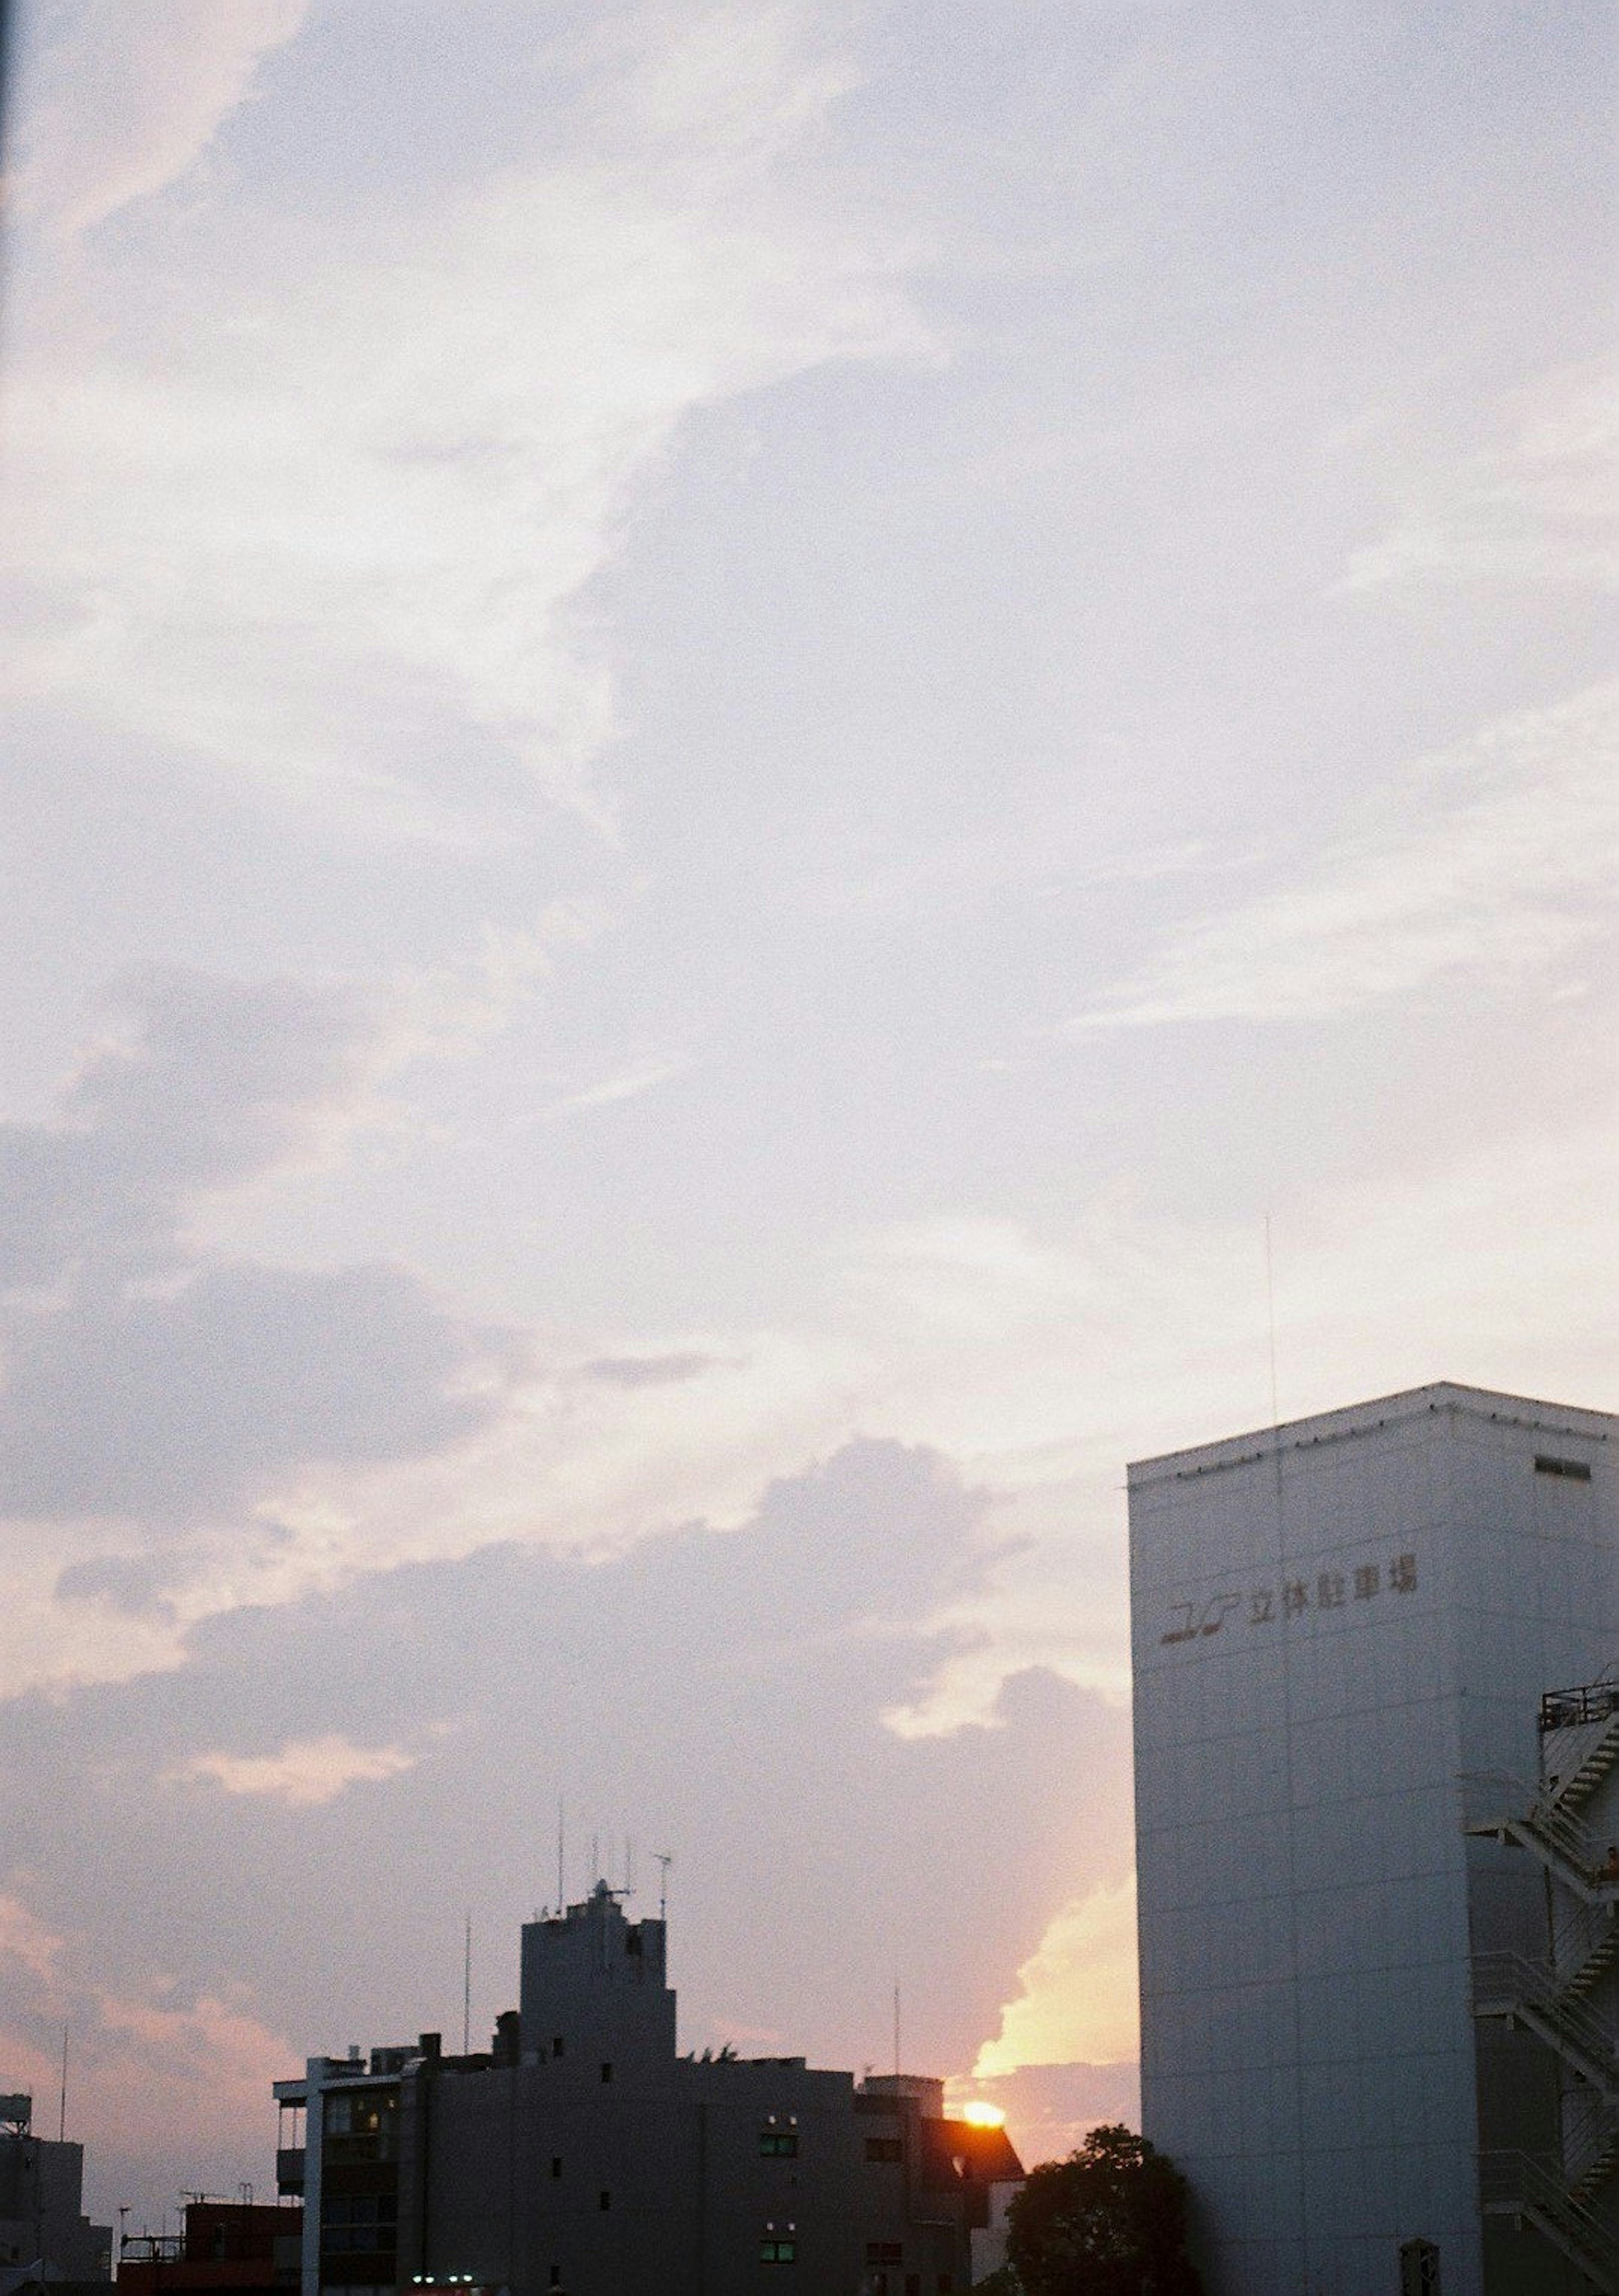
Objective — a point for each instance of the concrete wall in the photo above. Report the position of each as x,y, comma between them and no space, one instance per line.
1333,1628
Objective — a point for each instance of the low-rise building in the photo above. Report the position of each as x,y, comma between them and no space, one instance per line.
580,2153
226,2248
45,2238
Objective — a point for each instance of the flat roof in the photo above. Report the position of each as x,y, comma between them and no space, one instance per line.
1366,1419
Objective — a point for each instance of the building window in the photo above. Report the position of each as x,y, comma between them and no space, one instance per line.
778,2143
914,2284
556,2164
604,2201
1576,1470
946,2284
607,2072
778,2251
556,2044
883,2251
556,2275
885,2148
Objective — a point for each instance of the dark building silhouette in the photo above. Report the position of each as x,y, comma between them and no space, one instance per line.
582,2154
45,2238
227,2248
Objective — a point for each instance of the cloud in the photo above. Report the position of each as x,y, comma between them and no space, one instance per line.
157,1385
1493,861
1537,508
304,1775
459,403
1077,1998
628,1084
134,1586
718,1694
133,91
171,1406
651,1371
25,1940
210,1084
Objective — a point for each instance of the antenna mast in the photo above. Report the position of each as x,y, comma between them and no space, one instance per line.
561,1846
662,1861
466,1994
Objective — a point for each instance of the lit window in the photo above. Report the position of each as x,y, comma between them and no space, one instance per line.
778,2144
778,2251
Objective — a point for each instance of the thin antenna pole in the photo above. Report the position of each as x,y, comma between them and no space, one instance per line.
61,2114
595,1859
629,1867
561,1846
896,2029
466,1994
1271,1318
664,1863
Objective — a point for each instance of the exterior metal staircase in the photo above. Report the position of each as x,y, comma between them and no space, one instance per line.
1554,1834
1526,1993
1597,1959
1593,1760
1514,2185
1554,1999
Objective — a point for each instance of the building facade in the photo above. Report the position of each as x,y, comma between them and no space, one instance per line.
583,2153
45,2237
1342,1629
224,2248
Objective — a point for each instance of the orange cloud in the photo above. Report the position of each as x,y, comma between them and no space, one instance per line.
306,1772
1078,1999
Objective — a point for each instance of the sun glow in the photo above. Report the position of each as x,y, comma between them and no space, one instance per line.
978,2115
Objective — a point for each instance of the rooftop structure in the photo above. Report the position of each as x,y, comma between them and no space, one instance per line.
582,2154
45,2238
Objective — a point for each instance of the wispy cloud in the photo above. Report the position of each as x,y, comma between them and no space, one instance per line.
626,1083
1538,506
25,1940
384,464
1493,860
306,1773
133,91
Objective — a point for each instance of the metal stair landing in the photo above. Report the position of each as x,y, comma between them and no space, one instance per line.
1514,2185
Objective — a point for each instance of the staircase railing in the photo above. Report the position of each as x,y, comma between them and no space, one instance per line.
1517,2185
1509,1986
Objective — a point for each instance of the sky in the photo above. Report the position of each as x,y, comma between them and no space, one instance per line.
775,775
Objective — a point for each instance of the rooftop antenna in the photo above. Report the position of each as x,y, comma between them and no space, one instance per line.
896,2029
61,2113
662,1859
1271,1319
595,1859
466,1994
561,1845
629,1867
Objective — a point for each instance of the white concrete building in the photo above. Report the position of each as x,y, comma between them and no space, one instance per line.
1343,1630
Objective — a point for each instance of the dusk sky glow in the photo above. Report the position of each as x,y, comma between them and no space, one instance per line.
730,733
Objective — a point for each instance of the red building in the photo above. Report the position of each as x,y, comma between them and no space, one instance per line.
227,2247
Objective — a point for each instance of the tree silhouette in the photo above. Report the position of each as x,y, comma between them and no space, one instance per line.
1110,2220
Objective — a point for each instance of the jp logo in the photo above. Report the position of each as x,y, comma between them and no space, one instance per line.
1193,1622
